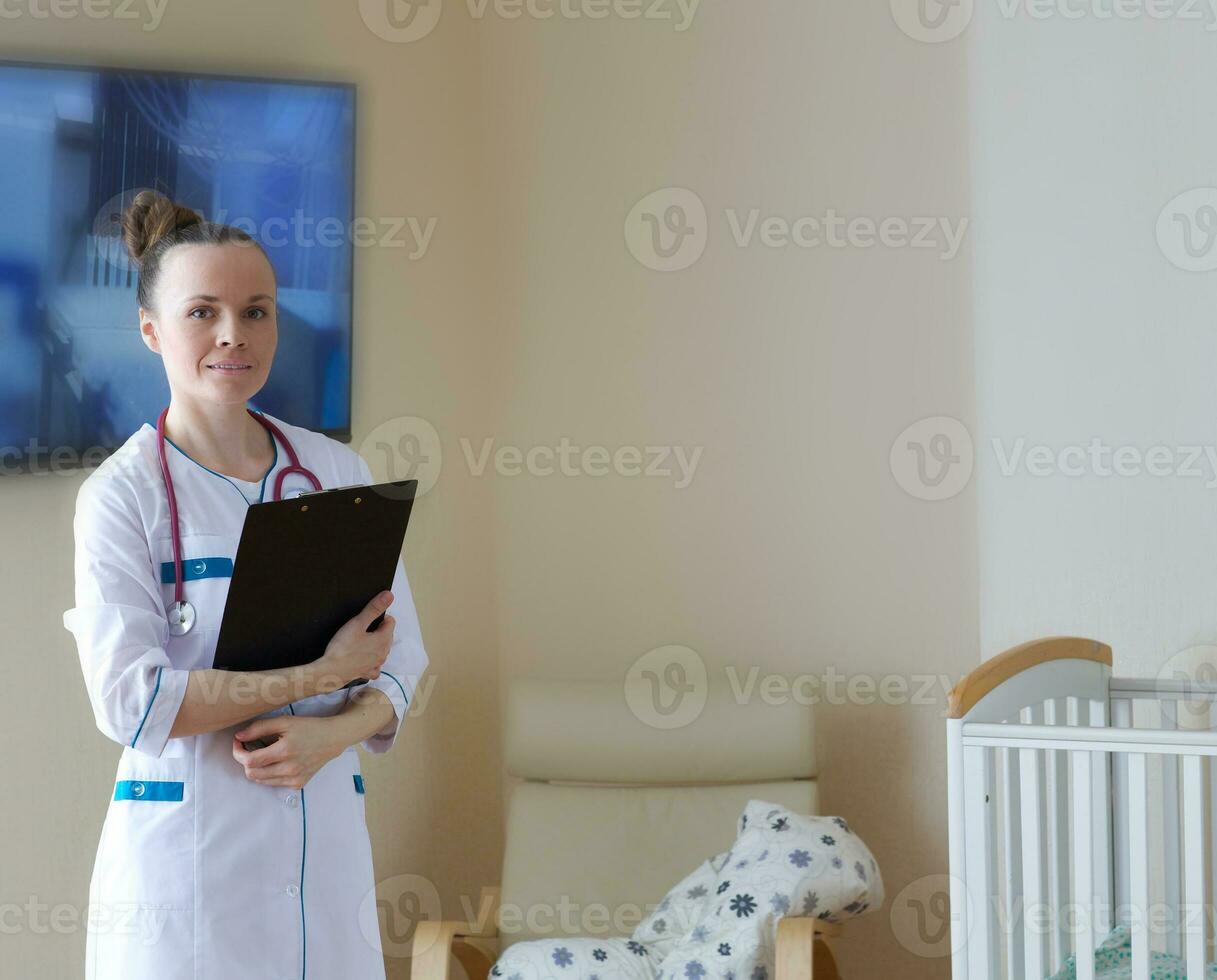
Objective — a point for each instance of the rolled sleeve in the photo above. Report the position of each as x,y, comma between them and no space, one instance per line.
120,626
407,660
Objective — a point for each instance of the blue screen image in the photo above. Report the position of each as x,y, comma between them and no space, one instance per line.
275,158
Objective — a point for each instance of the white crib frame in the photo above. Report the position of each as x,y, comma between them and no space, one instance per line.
1061,727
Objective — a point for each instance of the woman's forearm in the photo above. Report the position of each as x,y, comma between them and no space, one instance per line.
216,699
368,711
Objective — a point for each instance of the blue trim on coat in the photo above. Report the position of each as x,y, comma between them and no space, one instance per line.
273,463
197,568
358,783
403,690
148,789
149,708
303,848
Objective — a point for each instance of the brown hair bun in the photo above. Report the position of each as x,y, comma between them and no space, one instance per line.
150,217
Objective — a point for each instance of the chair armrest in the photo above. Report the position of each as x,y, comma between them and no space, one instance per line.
802,952
997,670
436,943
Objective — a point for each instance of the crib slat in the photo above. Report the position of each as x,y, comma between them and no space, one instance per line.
1138,870
1031,772
991,910
978,841
1012,832
1170,833
1211,822
1058,837
1121,717
1083,860
1210,766
1101,826
1193,917
960,919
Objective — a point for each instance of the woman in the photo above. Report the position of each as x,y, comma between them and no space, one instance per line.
219,861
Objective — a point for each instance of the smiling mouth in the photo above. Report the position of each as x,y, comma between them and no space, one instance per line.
229,368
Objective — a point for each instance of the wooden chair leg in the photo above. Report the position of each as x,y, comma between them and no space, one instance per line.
824,964
802,952
437,943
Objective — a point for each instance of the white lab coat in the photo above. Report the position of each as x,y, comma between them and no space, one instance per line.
202,874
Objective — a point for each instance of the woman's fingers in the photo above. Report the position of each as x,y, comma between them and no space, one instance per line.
259,758
278,770
286,774
273,725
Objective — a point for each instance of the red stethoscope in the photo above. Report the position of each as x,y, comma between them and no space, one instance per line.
181,613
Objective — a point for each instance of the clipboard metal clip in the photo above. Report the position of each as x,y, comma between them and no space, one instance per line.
313,493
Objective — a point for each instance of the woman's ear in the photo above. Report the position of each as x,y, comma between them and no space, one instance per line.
147,330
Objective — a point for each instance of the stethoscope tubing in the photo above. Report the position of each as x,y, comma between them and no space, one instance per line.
181,609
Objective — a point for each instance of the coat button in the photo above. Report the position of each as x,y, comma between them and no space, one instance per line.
293,800
292,890
137,789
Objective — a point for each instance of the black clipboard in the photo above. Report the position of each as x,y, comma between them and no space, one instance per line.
306,565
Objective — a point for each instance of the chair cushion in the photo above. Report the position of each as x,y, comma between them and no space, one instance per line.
783,863
575,958
680,909
798,865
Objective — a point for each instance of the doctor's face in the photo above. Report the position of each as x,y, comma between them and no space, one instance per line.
215,306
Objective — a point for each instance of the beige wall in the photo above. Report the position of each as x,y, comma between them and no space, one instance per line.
792,550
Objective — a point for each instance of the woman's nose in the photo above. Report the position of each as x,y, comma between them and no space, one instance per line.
230,334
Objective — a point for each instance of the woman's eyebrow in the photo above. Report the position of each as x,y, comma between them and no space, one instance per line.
216,299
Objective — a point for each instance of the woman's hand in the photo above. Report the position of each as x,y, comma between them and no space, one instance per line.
303,745
354,652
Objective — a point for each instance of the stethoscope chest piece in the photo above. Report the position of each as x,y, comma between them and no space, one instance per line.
181,618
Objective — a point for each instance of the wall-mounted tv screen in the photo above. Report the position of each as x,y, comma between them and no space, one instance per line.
273,157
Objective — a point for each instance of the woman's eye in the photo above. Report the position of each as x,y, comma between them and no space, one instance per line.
198,309
261,313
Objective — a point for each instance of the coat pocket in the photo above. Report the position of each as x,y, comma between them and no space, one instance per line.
147,851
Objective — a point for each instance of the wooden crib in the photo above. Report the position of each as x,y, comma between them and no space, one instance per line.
1075,798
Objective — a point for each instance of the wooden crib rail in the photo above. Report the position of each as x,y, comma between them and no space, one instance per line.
997,670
